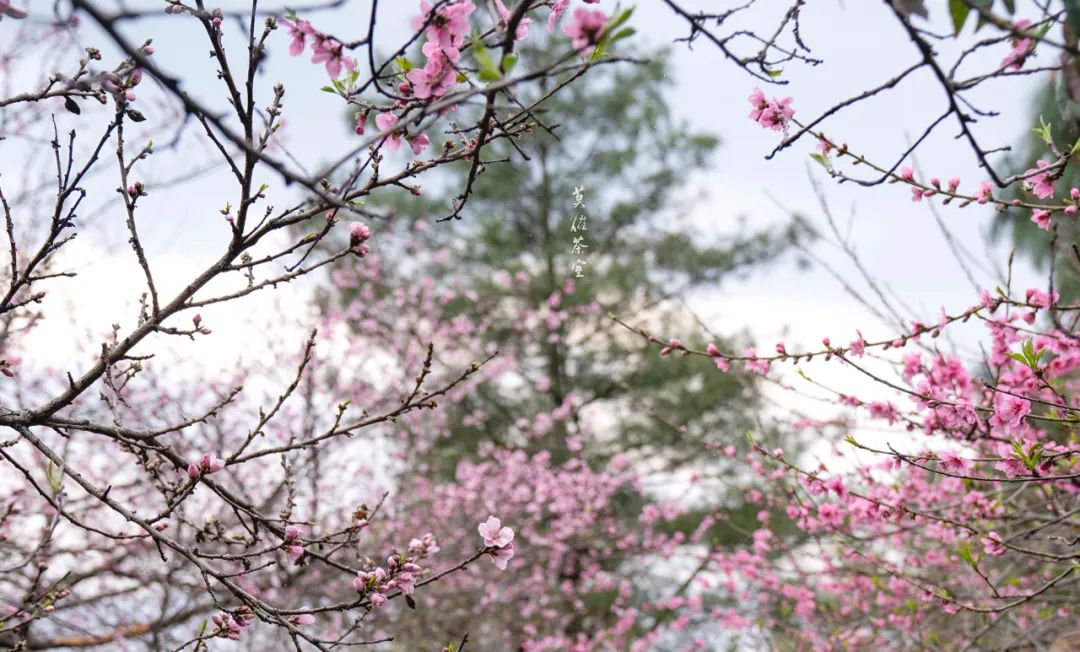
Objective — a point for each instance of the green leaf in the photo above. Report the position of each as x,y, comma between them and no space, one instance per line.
327,89
964,552
823,160
508,62
958,10
625,32
1043,131
56,477
1010,6
488,71
404,64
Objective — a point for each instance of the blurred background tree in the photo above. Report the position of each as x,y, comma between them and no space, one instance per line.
583,385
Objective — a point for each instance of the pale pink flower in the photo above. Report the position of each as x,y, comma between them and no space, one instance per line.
386,122
208,464
502,556
494,533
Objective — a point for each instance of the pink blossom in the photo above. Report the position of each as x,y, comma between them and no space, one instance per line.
883,410
558,8
585,27
1041,219
1040,185
1038,299
299,30
754,364
419,144
954,463
777,114
446,28
673,345
1022,48
993,545
1009,411
208,464
302,619
858,345
501,556
985,193
386,122
494,533
907,173
522,30
330,52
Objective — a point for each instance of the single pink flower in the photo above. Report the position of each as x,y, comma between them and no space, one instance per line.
330,52
1041,219
386,122
299,30
858,345
1021,50
494,533
993,545
419,144
359,233
1040,185
585,27
501,556
954,463
1009,411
